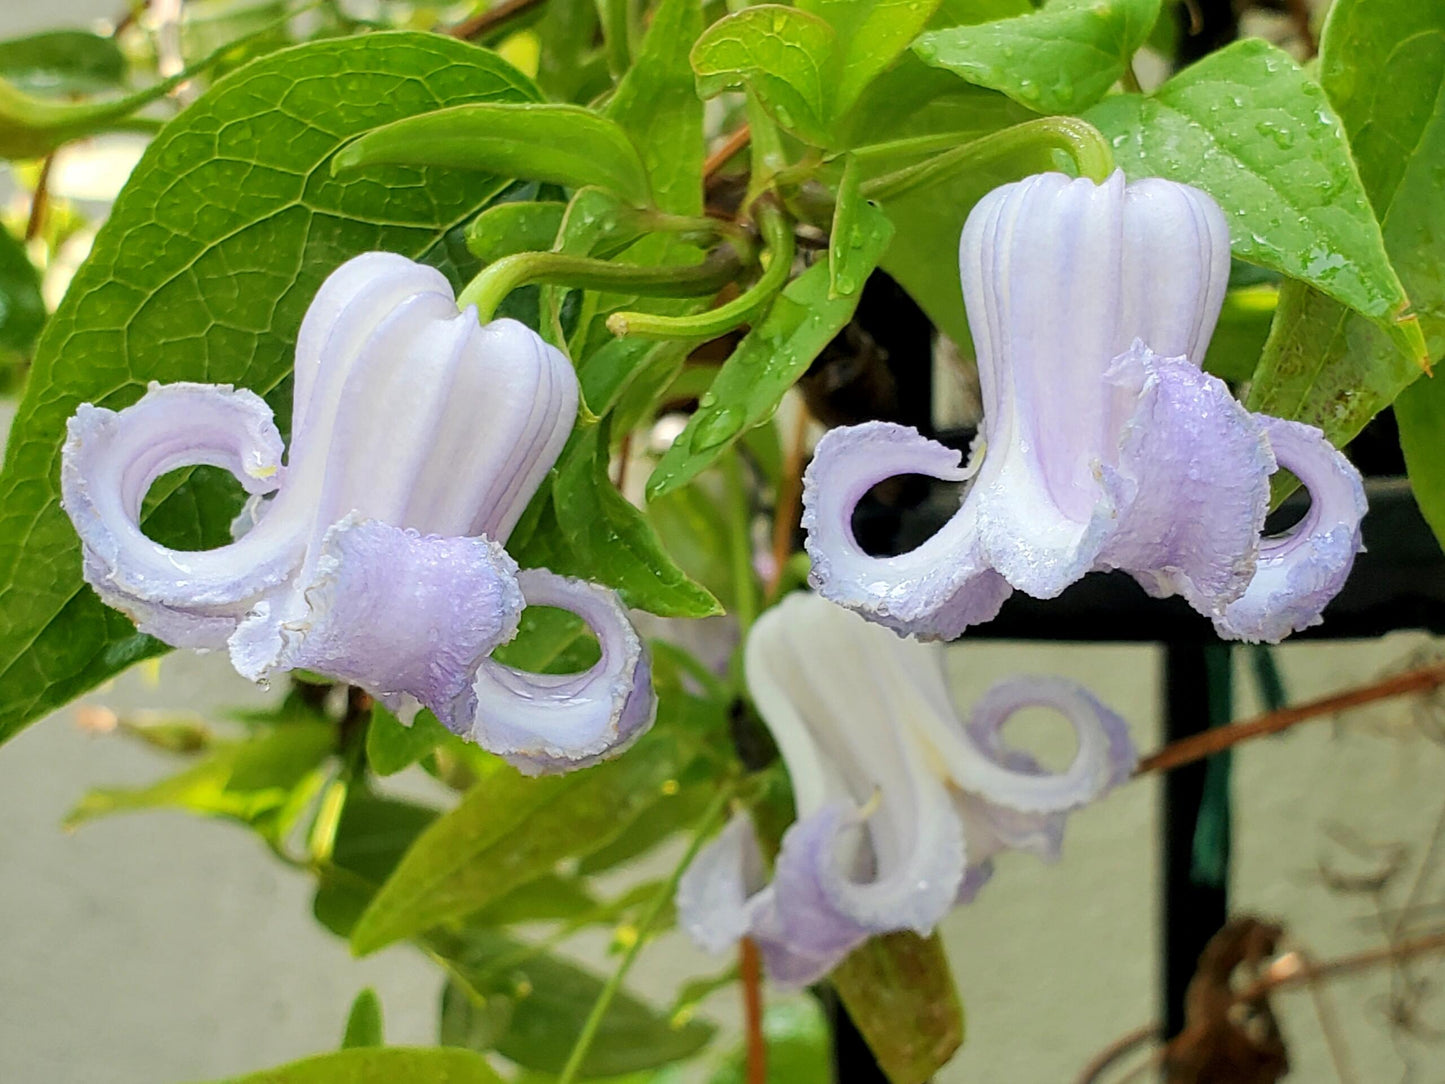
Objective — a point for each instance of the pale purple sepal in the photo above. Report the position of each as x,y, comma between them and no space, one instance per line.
555,722
715,892
1103,445
399,612
376,556
1299,572
900,804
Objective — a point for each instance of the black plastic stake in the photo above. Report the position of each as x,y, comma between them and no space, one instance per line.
1194,906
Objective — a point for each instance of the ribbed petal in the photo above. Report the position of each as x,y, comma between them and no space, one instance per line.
414,414
352,302
934,591
979,763
824,682
108,464
545,723
394,611
1301,571
1192,482
716,890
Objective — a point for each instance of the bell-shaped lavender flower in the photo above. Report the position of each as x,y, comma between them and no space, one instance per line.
901,806
418,437
1103,445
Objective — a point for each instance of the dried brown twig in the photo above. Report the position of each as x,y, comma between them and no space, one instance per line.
1198,746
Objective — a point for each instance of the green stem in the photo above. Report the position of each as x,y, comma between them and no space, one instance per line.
644,927
490,288
740,543
1078,138
615,34
780,245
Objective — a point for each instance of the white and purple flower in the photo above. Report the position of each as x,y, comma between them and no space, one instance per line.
375,554
1103,444
901,805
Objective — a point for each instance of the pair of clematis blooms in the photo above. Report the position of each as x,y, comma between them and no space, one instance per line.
375,554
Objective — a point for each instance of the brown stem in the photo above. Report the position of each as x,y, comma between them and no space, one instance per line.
719,158
1294,970
790,493
750,970
484,22
1197,747
1116,1050
40,201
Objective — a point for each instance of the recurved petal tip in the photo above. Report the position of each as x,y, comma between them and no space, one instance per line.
984,766
1300,571
544,723
932,592
714,893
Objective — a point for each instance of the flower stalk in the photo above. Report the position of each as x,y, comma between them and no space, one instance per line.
780,247
490,288
1079,139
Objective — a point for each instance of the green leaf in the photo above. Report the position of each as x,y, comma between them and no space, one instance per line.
870,34
899,992
550,641
371,836
843,247
1250,128
391,746
363,1023
691,524
541,1004
771,357
230,210
782,55
514,226
1060,59
510,829
1383,66
62,62
564,144
610,541
393,1065
253,781
1397,120
1240,335
799,1044
657,104
22,309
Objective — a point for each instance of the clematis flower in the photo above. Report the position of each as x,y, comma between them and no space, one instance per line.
1103,445
901,806
375,554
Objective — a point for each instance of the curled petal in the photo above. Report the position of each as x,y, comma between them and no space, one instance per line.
394,611
1191,482
1300,571
545,723
715,891
934,591
109,462
980,763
